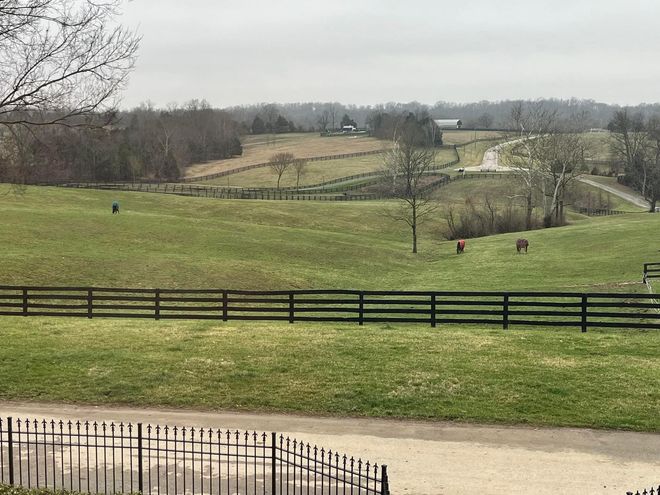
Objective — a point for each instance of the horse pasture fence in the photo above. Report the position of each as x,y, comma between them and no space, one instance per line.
505,309
651,270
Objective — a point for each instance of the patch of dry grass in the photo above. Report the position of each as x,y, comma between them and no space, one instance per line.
258,149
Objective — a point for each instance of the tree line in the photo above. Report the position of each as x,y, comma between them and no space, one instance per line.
320,116
141,143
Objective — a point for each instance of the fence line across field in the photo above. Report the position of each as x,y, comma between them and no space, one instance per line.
505,309
121,457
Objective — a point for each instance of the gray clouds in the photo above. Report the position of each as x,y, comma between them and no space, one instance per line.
369,51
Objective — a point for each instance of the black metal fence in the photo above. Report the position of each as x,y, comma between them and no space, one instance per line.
650,491
100,457
549,309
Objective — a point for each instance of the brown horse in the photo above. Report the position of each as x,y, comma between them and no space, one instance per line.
522,244
460,246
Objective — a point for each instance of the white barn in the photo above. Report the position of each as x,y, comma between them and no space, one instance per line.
448,123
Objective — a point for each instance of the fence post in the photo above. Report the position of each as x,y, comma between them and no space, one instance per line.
90,302
157,305
505,311
273,477
361,309
10,450
25,302
384,481
432,310
224,305
584,313
291,308
139,447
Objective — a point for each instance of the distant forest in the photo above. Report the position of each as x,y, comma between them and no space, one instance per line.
148,142
315,116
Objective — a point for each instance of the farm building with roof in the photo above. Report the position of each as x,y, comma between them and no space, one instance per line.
448,123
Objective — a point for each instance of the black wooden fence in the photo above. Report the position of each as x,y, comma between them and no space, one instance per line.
651,270
223,192
599,212
100,457
546,309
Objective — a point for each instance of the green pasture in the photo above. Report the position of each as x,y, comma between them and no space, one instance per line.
58,236
543,376
603,379
461,136
598,145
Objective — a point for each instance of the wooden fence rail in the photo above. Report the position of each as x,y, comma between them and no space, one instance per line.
651,270
549,309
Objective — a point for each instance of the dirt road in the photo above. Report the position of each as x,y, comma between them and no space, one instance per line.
426,458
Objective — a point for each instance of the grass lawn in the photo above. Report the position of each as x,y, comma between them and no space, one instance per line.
258,149
542,377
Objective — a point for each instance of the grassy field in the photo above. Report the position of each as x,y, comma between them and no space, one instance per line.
598,145
315,172
57,236
463,136
258,149
542,377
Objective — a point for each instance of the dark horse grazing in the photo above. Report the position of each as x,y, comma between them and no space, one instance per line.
522,244
460,246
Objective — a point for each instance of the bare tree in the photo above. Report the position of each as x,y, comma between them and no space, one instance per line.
521,155
545,157
636,142
299,167
279,163
324,120
405,175
62,61
561,160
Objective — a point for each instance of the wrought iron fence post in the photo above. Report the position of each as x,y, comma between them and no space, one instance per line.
10,450
505,311
273,477
384,481
584,313
139,449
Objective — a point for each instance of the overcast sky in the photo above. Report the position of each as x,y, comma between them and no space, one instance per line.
233,52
